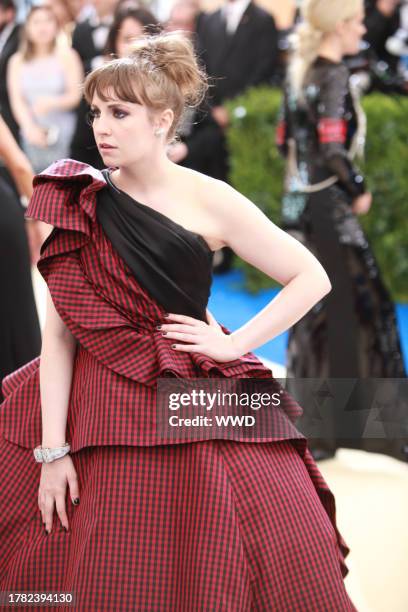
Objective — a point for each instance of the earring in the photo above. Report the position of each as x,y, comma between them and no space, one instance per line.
159,132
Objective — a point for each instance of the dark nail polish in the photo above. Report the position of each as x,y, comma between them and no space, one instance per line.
173,346
46,532
76,501
158,327
166,314
65,529
164,333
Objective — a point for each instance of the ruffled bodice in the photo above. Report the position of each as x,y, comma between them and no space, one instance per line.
120,354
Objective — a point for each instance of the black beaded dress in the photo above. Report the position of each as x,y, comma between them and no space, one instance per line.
352,333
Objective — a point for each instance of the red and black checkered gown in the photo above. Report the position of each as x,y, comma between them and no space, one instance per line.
228,525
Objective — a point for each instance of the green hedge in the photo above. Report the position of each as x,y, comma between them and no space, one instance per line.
257,171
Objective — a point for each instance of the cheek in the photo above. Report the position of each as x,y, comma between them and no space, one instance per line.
354,39
128,135
49,32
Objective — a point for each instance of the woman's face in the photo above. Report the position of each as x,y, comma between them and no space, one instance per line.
351,32
42,27
129,30
183,16
124,131
60,10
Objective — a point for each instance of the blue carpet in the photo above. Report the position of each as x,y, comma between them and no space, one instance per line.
232,306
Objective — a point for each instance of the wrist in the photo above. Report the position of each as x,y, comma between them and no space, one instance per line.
53,443
239,344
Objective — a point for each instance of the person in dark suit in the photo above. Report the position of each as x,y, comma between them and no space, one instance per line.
200,137
238,45
382,20
9,39
89,40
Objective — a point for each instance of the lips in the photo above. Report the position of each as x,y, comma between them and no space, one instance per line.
106,146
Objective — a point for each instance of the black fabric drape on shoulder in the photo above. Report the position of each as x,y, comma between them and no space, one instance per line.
172,263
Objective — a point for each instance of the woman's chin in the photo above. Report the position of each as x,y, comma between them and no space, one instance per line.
108,153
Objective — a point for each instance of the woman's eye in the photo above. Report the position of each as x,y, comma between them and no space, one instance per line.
119,114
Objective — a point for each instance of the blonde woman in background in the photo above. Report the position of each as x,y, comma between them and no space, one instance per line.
353,332
44,84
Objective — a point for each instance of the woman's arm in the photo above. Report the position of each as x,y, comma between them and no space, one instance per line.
20,108
247,230
74,76
15,161
56,369
22,173
332,130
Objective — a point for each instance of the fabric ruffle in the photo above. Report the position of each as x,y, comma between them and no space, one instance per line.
120,355
94,421
110,314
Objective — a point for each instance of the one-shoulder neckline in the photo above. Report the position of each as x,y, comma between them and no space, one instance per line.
107,174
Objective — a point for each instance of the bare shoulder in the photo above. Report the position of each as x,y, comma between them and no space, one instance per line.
15,61
68,56
245,228
223,206
239,222
207,191
222,200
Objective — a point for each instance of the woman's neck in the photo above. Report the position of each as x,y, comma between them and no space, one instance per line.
42,51
145,176
330,48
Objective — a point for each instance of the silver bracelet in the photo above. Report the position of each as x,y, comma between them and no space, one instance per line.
47,455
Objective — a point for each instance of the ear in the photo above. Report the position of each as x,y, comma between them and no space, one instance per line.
341,28
165,120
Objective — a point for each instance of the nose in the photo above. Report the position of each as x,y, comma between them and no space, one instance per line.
101,126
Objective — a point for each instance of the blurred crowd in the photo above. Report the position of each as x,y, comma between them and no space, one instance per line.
47,47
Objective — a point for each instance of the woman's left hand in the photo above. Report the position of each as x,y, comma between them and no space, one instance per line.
200,337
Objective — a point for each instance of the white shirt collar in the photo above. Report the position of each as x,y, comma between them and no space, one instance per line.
233,13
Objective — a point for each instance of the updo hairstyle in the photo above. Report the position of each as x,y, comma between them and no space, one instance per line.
160,72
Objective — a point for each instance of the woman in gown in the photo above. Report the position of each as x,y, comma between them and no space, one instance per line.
351,334
150,521
20,337
43,78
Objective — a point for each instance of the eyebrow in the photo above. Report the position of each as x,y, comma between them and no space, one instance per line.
111,105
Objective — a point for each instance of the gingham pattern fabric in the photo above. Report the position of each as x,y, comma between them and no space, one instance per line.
114,320
210,525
